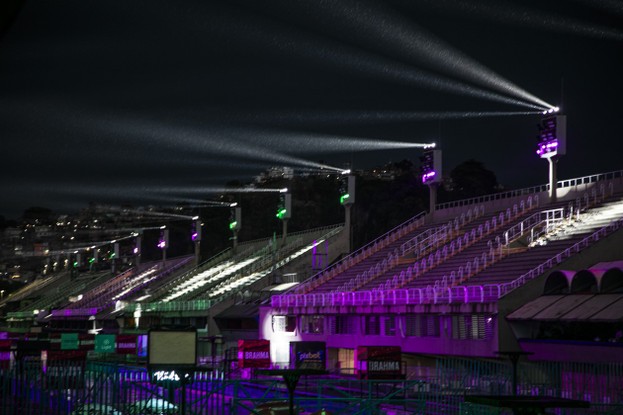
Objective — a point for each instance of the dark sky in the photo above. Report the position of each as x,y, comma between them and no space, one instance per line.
107,100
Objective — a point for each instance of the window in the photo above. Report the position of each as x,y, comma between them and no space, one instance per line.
470,326
343,325
312,324
372,325
284,324
422,325
389,325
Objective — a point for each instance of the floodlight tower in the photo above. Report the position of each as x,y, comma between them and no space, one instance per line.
137,246
114,256
431,174
284,212
163,242
552,144
235,223
347,199
195,236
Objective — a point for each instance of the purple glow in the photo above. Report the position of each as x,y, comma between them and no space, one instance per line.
162,244
547,149
193,237
426,177
135,250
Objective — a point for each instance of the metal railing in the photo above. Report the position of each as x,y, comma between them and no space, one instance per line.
361,253
82,386
432,295
561,184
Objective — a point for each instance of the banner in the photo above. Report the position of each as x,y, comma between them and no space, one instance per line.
126,344
253,353
309,355
379,362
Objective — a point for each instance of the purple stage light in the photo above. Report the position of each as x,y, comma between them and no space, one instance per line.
428,176
162,244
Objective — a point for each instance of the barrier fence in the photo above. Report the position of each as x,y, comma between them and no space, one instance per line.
40,387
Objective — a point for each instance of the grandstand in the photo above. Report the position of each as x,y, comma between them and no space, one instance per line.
444,284
508,272
165,291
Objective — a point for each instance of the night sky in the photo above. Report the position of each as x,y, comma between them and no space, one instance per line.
113,100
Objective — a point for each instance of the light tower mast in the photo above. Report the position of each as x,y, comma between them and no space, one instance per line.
431,174
347,199
552,144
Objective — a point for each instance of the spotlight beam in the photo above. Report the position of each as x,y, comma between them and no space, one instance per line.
322,51
526,17
371,25
330,117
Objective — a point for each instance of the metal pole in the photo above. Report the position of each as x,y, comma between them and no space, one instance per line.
348,227
432,190
285,232
553,179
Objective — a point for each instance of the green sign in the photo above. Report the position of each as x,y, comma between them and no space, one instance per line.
69,341
105,343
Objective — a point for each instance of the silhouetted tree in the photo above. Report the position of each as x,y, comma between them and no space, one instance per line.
471,178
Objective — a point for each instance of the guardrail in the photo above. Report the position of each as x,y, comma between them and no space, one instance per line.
549,218
561,184
431,295
361,253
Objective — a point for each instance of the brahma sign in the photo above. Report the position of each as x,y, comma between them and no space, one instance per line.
254,354
379,362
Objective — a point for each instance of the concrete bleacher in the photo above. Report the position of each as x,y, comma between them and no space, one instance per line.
123,285
458,279
551,244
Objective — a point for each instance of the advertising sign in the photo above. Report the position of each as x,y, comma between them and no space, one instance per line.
69,341
126,344
105,343
172,348
253,353
5,353
379,362
308,355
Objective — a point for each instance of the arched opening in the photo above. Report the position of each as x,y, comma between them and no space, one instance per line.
584,282
557,282
612,281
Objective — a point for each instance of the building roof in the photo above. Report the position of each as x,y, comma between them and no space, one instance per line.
572,307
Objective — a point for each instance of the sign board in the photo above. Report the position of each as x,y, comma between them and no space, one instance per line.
126,344
5,353
70,341
254,353
308,355
105,343
172,348
379,362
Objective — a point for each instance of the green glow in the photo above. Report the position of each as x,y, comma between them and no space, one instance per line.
344,197
92,260
281,213
233,224
112,255
75,264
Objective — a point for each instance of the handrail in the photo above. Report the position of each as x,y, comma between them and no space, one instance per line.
458,294
361,251
561,184
297,233
281,258
557,259
550,217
